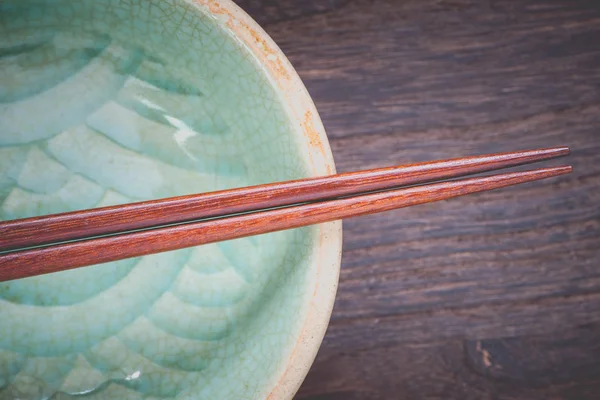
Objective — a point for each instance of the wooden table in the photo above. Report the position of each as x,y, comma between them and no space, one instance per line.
491,296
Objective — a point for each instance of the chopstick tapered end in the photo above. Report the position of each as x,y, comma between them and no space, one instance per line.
562,170
546,154
543,173
561,151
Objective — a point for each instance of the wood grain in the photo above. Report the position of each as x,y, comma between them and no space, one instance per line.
46,229
417,80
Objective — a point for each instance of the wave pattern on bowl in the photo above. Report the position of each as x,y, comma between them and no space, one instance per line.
93,114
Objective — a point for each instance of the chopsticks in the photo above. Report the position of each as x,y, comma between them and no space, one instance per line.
36,231
139,228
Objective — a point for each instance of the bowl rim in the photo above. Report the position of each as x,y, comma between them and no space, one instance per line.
302,110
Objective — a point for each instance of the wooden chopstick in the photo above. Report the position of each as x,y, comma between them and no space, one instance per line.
30,232
20,264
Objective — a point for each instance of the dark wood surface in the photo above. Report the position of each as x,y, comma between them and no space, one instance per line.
492,296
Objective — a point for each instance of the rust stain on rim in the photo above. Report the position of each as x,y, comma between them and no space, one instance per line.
311,132
271,57
268,55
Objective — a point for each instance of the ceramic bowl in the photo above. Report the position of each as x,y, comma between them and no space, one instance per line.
105,102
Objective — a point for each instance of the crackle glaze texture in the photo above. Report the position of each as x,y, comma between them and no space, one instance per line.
105,102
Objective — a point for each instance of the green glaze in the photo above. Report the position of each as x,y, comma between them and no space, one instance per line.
111,101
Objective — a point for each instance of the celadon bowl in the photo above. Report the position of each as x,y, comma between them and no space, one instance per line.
105,102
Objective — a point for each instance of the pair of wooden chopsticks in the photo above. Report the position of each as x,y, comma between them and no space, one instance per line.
58,242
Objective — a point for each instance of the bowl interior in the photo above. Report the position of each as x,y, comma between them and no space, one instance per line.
106,102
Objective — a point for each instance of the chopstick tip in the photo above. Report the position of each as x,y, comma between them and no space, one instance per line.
544,153
557,151
562,170
565,150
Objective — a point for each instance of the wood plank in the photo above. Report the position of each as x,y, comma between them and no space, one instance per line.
555,365
515,272
389,66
